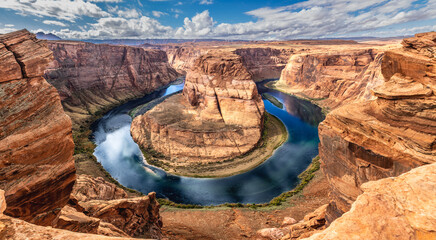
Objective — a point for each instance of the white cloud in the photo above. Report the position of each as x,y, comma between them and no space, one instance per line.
158,14
9,25
60,9
108,1
128,13
308,19
50,22
7,30
116,27
200,25
206,2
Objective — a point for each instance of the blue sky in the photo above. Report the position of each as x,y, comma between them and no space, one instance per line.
223,19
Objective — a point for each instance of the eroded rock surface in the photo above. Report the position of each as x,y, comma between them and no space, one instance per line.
385,137
392,208
334,77
219,115
36,146
91,77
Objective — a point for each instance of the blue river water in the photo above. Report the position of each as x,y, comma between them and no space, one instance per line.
122,158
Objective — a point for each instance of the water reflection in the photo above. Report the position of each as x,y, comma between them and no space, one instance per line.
121,157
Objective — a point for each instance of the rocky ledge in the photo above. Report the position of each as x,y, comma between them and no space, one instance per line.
384,137
218,117
36,145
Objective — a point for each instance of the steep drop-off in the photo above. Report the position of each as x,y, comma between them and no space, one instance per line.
36,146
219,116
384,137
261,62
333,78
91,77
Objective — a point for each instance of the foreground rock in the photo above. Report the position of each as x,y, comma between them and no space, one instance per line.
387,136
97,206
36,146
16,229
92,77
391,208
218,117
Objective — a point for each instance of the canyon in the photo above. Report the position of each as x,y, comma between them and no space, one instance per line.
219,116
377,145
37,176
92,77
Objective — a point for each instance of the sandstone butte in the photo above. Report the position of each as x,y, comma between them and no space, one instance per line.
92,77
218,117
387,136
37,176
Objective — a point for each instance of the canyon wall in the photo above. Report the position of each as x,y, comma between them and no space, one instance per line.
333,78
91,77
219,116
387,136
36,146
261,62
264,63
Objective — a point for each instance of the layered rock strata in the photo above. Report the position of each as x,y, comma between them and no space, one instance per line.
91,77
261,62
333,78
264,63
97,206
219,116
391,208
384,137
16,229
36,146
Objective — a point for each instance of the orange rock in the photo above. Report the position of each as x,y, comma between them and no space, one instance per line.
392,208
385,137
90,188
36,146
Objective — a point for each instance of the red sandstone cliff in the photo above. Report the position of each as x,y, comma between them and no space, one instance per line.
261,62
91,77
36,146
387,136
333,78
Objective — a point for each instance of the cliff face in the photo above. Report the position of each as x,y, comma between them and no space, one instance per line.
36,146
391,208
261,62
334,78
219,116
91,77
183,58
264,63
387,136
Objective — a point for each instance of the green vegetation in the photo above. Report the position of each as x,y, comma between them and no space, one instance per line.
273,100
304,177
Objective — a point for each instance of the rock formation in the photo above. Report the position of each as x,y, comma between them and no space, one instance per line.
219,116
36,146
97,206
261,62
264,63
384,137
16,229
91,77
334,78
391,208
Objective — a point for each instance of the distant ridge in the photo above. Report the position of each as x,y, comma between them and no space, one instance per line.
49,36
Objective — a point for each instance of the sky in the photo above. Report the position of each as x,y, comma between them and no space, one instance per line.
219,19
